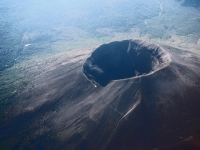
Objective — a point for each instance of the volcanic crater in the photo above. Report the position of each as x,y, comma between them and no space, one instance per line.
124,59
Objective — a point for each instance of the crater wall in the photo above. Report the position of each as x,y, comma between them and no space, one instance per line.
124,59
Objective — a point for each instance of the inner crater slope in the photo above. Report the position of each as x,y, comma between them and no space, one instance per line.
124,59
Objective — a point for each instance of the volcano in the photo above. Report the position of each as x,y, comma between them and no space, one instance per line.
129,94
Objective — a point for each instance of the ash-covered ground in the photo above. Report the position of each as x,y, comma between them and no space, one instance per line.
64,109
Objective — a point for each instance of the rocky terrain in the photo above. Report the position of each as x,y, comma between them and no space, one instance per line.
65,109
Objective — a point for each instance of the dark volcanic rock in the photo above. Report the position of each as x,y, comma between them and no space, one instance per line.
125,59
64,110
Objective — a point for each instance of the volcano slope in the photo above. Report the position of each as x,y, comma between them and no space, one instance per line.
131,94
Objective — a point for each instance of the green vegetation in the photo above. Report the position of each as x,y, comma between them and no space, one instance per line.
193,3
11,83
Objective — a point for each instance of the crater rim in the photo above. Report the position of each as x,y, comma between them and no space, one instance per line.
123,60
